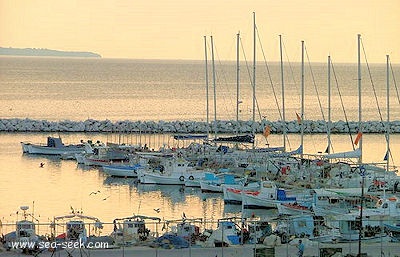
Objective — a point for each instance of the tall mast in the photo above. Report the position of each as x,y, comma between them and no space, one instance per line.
329,106
388,114
215,92
237,78
283,96
302,98
359,96
254,67
206,70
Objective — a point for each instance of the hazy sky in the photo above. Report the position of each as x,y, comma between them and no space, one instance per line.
160,29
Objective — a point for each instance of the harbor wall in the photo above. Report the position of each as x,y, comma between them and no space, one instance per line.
230,126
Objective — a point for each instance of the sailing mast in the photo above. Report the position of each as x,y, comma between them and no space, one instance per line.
284,130
215,92
254,67
388,114
359,96
329,107
206,70
302,100
237,81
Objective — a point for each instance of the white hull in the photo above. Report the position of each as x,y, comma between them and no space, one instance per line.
37,149
168,179
120,171
284,209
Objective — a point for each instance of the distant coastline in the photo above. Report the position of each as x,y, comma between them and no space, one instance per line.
44,52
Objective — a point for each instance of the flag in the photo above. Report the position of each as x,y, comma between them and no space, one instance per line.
359,135
298,118
267,131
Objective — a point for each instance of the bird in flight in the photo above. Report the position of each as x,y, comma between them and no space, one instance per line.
93,193
157,210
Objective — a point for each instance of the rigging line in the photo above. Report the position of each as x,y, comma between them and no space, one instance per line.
294,82
395,84
373,85
224,79
342,104
375,95
315,87
270,77
247,65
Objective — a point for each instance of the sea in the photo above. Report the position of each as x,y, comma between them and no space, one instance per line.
77,89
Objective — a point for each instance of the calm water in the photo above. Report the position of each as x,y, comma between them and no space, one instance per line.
77,89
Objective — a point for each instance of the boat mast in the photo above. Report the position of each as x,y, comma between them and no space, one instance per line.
283,96
206,70
254,67
302,99
215,92
388,115
237,81
359,96
329,107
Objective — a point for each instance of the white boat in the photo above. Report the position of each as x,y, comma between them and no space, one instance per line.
214,183
133,230
171,171
126,171
25,232
54,146
234,195
269,196
75,228
294,209
227,233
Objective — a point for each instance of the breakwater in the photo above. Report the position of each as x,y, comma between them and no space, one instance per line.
90,125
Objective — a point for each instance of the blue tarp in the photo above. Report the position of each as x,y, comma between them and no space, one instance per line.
169,241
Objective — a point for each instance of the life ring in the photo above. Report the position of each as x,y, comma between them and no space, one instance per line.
191,178
181,178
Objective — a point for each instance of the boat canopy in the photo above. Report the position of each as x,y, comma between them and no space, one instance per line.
350,154
236,139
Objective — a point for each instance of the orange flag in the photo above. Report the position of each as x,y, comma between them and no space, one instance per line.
359,135
267,131
298,118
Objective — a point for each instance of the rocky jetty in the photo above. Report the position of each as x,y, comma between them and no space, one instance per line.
90,125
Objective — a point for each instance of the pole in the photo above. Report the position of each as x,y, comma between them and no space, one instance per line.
359,96
237,81
284,130
215,92
302,99
206,78
329,106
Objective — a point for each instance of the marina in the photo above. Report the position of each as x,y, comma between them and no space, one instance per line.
137,178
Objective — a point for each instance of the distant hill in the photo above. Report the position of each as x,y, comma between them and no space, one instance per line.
44,52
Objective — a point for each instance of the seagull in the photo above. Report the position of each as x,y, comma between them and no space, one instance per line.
72,210
93,193
41,165
106,198
157,210
183,215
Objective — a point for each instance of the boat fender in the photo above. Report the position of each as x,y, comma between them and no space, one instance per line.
181,178
191,178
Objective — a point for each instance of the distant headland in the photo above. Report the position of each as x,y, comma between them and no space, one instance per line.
45,52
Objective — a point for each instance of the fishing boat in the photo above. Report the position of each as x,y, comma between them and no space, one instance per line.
75,229
133,230
24,237
125,171
54,146
227,233
268,196
170,171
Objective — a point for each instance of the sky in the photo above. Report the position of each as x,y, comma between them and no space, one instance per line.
175,29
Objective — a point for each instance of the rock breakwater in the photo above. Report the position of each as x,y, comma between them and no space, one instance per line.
90,125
